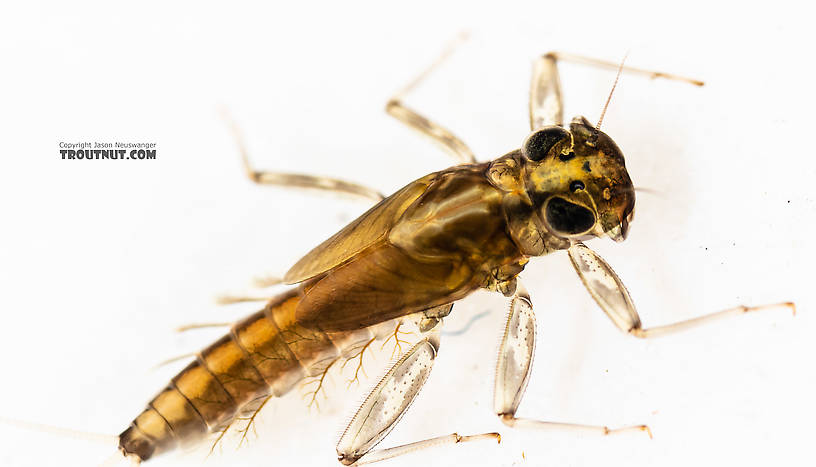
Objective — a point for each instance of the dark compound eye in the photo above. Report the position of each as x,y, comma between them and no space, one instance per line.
576,185
545,142
568,218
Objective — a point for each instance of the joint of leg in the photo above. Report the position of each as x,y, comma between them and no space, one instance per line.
345,460
508,419
393,102
551,55
637,331
254,176
458,437
426,324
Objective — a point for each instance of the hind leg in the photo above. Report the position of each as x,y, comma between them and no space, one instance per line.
297,180
394,107
439,134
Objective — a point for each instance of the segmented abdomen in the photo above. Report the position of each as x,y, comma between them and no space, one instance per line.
266,354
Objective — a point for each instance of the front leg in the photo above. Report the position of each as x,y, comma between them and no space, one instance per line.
611,295
515,364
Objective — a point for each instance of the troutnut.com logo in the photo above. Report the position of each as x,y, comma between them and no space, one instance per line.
116,150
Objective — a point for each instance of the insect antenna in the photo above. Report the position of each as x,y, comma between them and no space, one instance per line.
639,189
608,99
650,191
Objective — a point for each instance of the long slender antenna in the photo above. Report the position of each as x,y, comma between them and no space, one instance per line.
608,99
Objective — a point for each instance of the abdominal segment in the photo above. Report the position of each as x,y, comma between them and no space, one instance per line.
264,355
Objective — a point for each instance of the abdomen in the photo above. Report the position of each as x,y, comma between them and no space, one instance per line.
264,355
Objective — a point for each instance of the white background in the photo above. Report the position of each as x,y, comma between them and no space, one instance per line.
102,259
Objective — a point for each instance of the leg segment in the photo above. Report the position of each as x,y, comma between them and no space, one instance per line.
546,105
397,109
513,371
387,403
611,295
297,180
453,438
614,66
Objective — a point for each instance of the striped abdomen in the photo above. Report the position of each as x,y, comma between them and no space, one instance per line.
264,355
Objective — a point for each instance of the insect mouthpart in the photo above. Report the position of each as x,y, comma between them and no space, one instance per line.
620,231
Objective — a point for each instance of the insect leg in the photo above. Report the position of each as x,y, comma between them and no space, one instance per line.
546,105
513,371
387,403
567,57
611,295
297,180
453,438
397,109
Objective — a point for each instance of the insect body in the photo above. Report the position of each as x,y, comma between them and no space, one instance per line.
265,355
449,233
409,258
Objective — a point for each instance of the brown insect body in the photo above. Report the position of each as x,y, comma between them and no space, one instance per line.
449,233
429,244
264,355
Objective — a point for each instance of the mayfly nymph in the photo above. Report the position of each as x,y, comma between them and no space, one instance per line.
408,259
